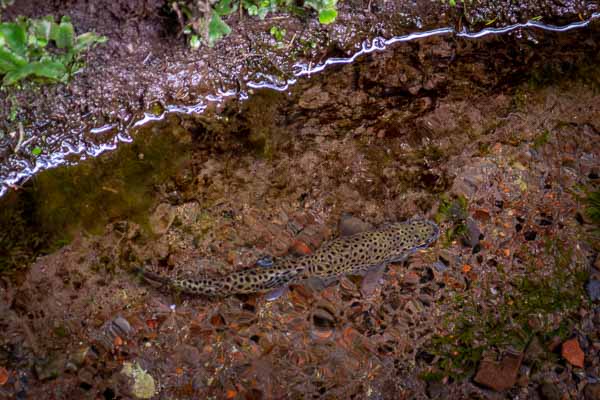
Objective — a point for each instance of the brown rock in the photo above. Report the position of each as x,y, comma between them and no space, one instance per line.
571,351
499,375
161,219
592,391
549,391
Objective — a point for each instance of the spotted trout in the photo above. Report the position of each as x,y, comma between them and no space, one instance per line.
354,255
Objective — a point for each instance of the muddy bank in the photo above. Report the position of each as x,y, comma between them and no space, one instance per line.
146,66
497,140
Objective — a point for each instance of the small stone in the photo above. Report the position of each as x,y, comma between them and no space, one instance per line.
499,375
534,350
473,234
437,390
549,391
143,386
123,326
411,278
47,369
161,219
593,289
592,391
571,351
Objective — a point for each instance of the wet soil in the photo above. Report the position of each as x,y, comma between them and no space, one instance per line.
498,140
146,65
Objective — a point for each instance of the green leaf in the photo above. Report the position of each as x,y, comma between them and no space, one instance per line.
10,61
252,10
86,40
217,29
36,151
43,69
327,16
224,7
194,42
15,37
42,28
66,34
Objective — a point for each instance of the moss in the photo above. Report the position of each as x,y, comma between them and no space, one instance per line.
512,322
60,202
453,211
541,139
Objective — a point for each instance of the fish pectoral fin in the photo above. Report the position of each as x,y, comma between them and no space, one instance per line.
318,284
276,293
370,281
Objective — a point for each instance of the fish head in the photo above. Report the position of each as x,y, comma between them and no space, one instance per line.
412,235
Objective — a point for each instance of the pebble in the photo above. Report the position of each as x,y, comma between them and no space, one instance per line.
549,391
593,289
143,386
592,391
472,236
162,218
501,375
571,351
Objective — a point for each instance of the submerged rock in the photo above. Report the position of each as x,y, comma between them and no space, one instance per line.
500,375
593,289
592,391
143,386
571,351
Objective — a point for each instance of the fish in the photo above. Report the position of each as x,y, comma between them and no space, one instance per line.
356,254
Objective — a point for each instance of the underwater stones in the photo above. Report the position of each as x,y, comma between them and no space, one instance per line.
473,233
143,386
162,218
499,375
314,98
593,289
550,391
592,391
571,351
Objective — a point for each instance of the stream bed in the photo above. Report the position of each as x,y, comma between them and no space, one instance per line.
496,138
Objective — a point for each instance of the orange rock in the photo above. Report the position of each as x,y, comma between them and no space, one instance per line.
466,268
571,351
301,247
230,394
3,376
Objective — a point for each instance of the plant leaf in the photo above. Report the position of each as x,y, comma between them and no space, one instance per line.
44,69
86,40
224,7
217,29
66,34
327,16
42,28
10,61
15,37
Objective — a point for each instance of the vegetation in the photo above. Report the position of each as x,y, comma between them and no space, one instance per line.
42,48
532,304
455,212
204,23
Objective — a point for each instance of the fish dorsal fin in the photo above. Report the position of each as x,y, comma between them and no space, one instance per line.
350,225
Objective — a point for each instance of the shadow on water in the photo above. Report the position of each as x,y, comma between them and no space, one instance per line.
46,213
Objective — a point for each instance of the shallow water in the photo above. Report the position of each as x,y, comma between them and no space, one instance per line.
495,138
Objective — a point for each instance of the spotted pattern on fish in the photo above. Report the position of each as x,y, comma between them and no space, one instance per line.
354,254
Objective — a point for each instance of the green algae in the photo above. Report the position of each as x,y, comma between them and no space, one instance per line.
56,204
529,305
